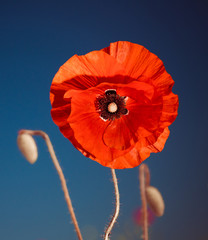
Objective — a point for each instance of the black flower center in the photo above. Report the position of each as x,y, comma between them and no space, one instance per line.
110,105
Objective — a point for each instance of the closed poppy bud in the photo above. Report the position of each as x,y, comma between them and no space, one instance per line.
28,147
155,200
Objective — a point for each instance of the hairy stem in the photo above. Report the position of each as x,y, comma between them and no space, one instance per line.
144,178
61,176
116,213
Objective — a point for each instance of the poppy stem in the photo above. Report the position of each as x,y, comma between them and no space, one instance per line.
61,176
144,178
116,213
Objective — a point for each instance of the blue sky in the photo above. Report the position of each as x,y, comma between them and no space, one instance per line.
36,38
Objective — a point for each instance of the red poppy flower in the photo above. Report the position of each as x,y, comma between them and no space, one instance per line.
114,105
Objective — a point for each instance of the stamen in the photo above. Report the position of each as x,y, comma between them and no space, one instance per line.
112,107
110,92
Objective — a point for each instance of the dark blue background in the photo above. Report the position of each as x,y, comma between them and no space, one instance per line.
36,38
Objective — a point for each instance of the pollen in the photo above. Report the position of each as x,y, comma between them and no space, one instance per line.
112,107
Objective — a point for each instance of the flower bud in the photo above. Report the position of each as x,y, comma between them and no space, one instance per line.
155,201
28,147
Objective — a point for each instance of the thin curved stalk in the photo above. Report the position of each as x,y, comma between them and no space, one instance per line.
144,178
61,176
116,213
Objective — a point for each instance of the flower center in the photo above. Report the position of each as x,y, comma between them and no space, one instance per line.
110,105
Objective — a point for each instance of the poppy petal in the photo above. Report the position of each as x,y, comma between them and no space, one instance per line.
141,64
138,154
85,121
122,133
82,72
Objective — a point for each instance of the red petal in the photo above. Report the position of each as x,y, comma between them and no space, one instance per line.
87,125
141,64
143,115
170,110
139,153
82,72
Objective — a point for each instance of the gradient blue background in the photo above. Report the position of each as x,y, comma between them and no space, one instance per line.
36,38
